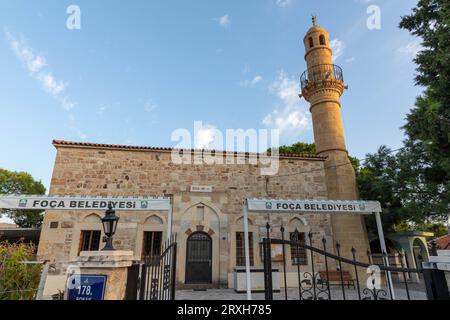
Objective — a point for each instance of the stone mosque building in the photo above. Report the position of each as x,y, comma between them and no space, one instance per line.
215,211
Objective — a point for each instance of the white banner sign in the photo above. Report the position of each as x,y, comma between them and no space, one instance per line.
314,206
83,203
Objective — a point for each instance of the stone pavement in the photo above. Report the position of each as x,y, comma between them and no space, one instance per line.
416,293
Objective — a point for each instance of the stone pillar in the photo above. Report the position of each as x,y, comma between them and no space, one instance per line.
113,264
407,247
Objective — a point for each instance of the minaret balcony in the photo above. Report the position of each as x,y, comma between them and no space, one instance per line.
320,74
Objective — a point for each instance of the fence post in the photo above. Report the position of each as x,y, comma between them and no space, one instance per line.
131,291
174,271
436,284
435,281
434,252
268,285
268,290
43,280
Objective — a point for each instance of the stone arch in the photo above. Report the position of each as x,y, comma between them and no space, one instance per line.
92,218
240,220
208,217
154,220
420,251
311,42
202,203
297,223
207,221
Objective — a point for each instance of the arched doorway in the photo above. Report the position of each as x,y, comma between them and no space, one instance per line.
199,259
420,254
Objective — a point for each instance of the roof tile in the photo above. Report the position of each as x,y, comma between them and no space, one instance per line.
63,143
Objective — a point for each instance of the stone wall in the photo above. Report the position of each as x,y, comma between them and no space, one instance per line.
103,171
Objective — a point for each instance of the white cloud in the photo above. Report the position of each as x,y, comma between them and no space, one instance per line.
101,109
410,50
68,104
246,68
251,83
257,79
35,64
291,115
51,85
149,106
205,136
224,21
338,48
74,127
283,3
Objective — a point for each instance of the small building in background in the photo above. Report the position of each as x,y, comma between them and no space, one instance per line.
12,233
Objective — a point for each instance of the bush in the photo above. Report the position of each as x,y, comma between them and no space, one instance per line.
18,281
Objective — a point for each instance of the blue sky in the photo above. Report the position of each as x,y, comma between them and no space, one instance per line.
138,70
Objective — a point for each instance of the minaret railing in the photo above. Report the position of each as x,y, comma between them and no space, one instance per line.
321,72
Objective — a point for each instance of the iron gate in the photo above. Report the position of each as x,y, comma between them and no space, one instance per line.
155,278
325,270
199,259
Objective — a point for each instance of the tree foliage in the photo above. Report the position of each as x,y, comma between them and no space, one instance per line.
21,183
425,161
378,180
398,181
18,281
298,148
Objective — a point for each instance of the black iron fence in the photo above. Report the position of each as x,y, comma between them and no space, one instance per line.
155,277
322,72
330,276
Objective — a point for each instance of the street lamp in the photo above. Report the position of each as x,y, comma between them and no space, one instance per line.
109,222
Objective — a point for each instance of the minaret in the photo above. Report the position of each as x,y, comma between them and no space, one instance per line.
322,85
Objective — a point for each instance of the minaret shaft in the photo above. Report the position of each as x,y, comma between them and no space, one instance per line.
322,86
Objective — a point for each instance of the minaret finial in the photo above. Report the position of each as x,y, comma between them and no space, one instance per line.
314,20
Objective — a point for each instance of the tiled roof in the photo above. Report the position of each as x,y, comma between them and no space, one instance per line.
8,226
442,242
62,143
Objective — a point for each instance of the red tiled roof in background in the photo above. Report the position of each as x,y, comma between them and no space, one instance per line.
57,143
442,242
8,226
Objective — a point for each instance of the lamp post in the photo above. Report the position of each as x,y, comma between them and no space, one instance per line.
109,221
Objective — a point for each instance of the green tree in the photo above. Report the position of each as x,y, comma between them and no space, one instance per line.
400,182
21,183
310,148
18,281
298,148
378,180
425,163
421,184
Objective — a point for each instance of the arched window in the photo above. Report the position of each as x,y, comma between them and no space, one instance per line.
322,40
311,42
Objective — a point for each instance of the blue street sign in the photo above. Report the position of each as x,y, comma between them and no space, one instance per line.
87,287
